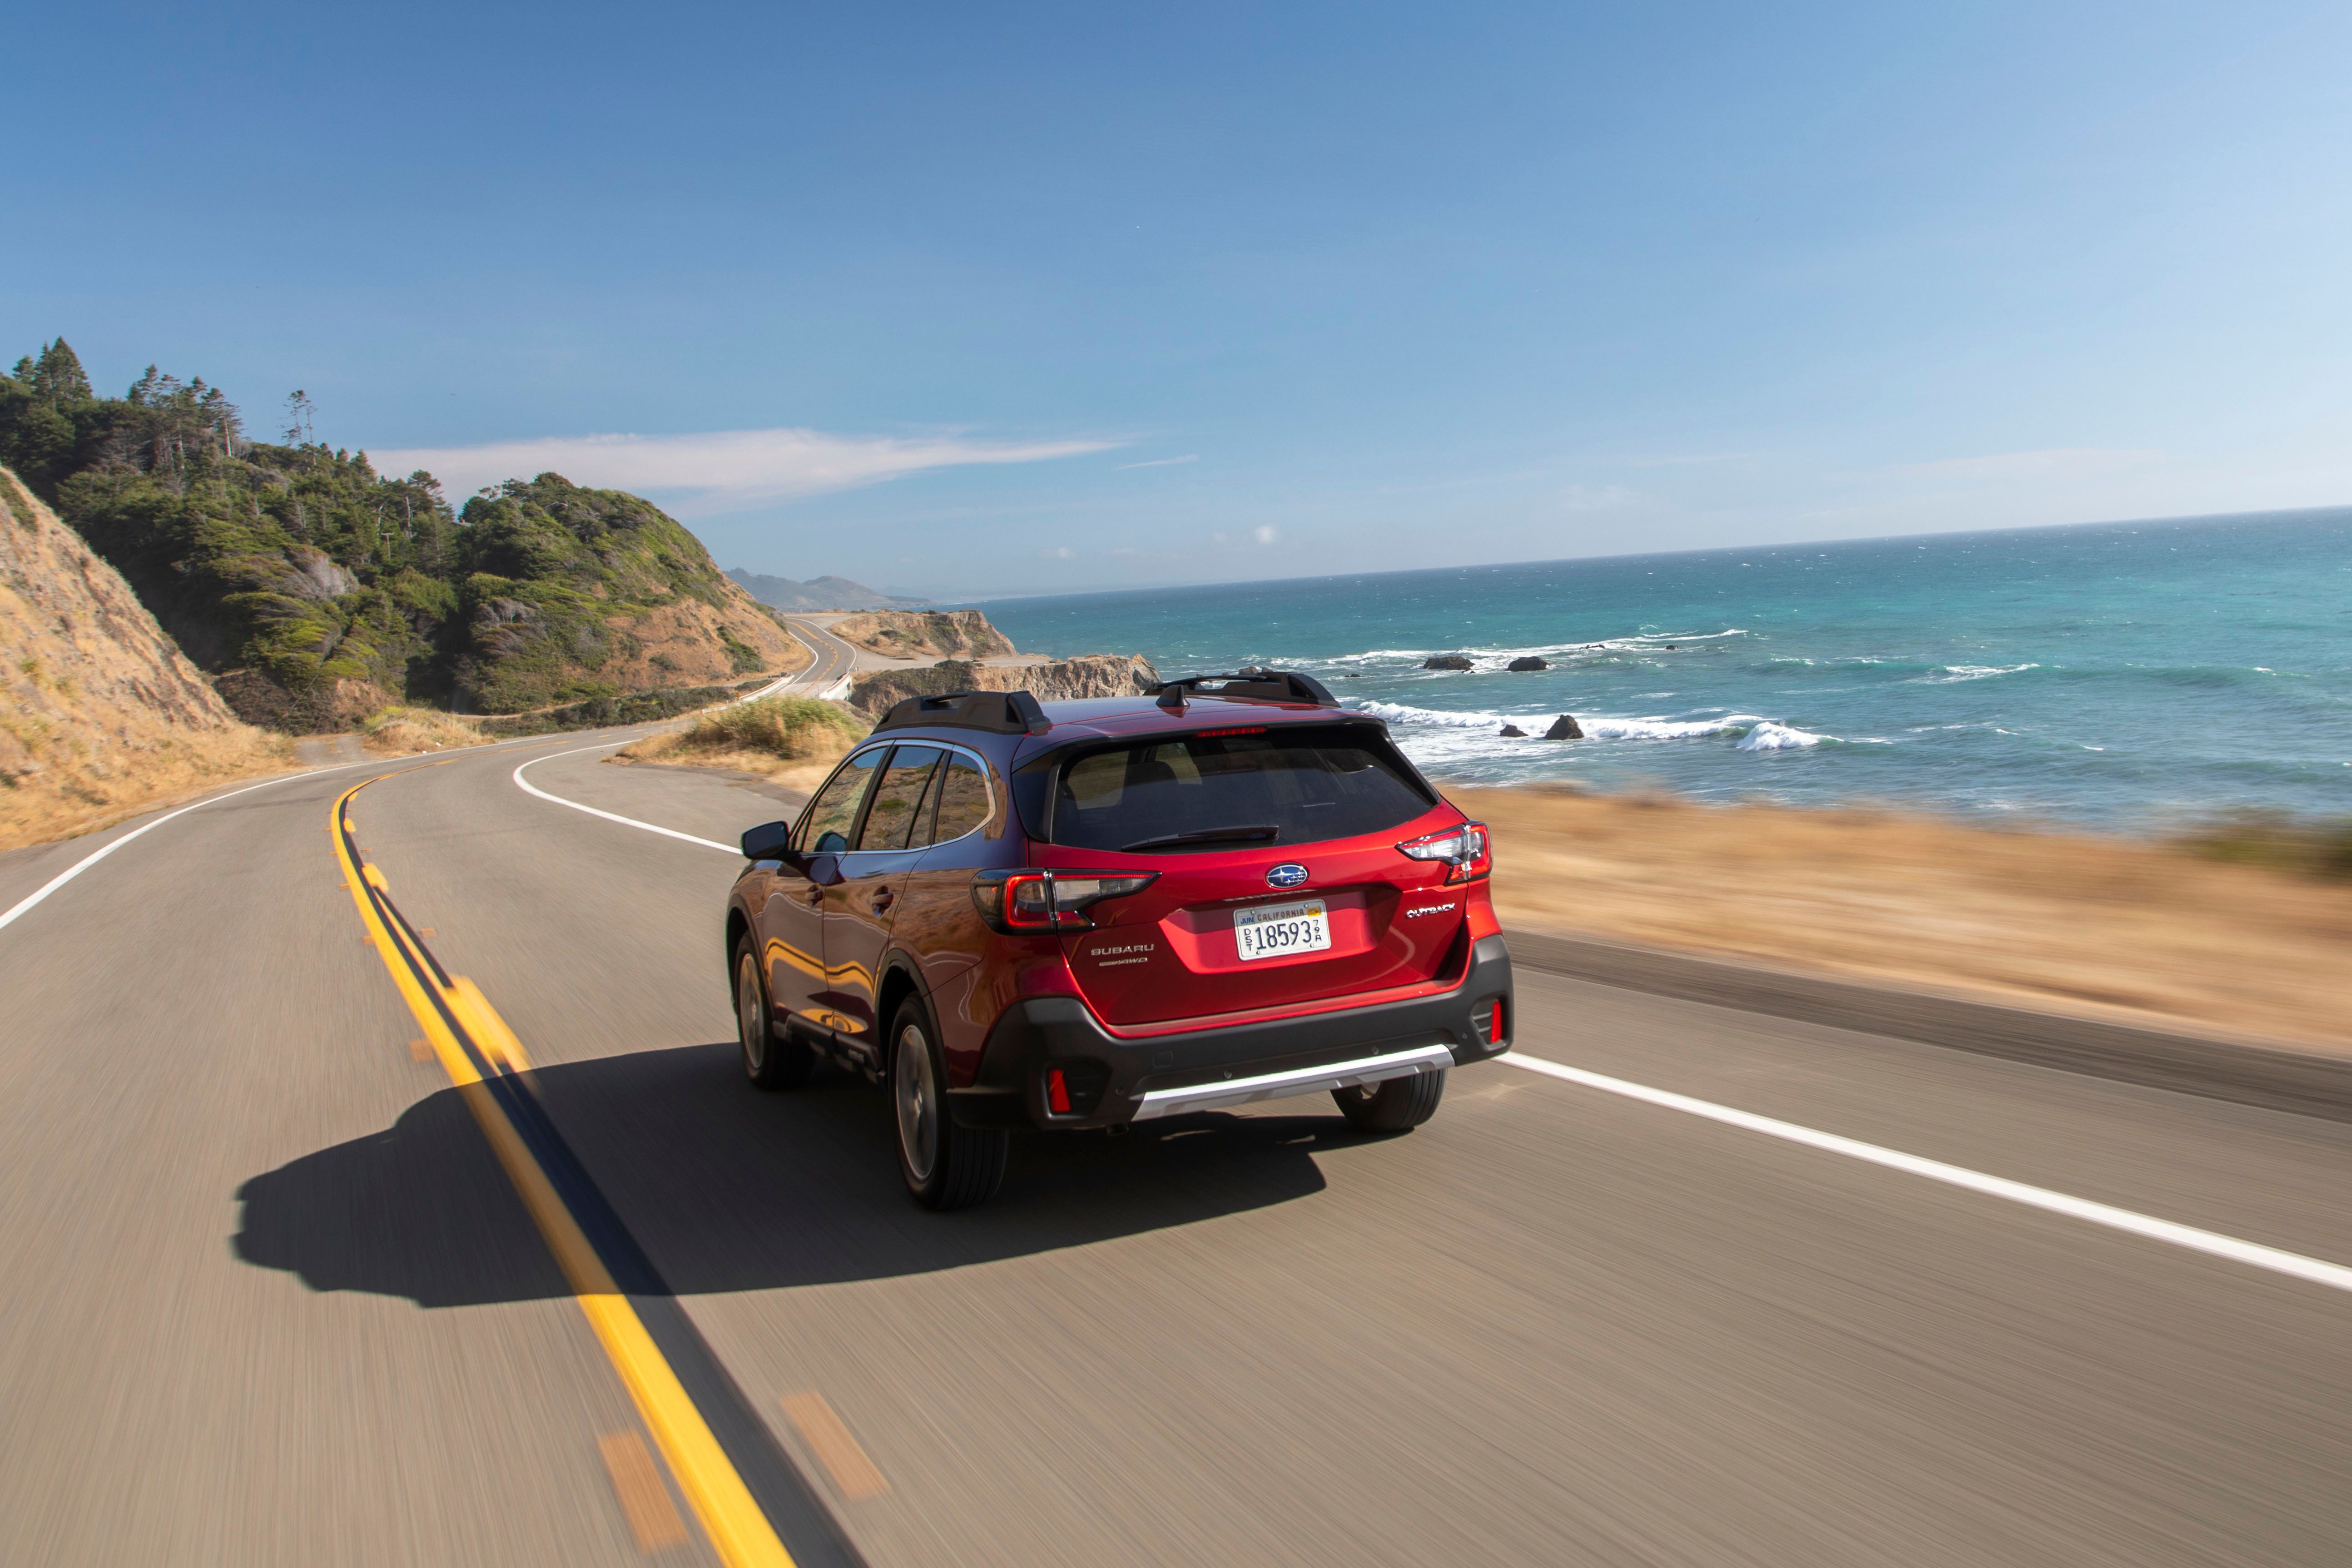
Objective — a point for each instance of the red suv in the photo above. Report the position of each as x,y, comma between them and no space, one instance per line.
1106,911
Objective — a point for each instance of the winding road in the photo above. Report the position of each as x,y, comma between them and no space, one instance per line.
827,675
380,1187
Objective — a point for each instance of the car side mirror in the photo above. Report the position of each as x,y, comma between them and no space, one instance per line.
769,841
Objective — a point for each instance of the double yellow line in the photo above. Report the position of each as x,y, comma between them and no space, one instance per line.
473,1044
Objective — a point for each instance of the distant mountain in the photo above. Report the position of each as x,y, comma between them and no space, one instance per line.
817,594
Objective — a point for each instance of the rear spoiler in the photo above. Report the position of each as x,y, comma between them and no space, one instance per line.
1248,682
1001,713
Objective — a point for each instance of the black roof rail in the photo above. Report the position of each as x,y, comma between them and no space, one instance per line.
1005,713
1249,682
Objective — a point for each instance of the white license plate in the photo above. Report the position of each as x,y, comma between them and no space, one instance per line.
1277,930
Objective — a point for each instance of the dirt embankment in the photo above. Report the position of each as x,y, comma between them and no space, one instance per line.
100,715
1089,675
925,634
2134,931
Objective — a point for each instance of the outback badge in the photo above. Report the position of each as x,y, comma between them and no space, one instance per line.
1289,873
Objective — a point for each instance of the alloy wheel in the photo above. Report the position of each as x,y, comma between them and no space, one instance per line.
751,1015
917,1094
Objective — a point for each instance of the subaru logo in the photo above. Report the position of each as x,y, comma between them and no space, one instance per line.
1289,873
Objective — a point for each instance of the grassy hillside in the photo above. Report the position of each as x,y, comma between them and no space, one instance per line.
315,590
99,716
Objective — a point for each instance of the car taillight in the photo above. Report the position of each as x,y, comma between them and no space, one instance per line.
1464,849
1029,903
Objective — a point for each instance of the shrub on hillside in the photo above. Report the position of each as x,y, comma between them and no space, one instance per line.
794,728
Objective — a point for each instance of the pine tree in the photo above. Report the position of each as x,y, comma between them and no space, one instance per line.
57,377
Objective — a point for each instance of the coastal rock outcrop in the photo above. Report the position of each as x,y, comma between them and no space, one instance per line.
912,633
1564,729
1515,730
1446,661
1530,662
1087,675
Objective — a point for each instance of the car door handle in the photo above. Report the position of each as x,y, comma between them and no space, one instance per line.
882,899
815,897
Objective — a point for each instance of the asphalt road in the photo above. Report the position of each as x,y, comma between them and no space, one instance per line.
269,1297
834,660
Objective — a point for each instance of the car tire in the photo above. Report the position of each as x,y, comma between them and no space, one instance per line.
945,1167
771,1060
1396,1105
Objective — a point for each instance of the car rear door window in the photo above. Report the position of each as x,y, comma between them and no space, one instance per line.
832,816
963,798
890,820
1306,783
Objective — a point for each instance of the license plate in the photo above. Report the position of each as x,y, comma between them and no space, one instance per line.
1277,930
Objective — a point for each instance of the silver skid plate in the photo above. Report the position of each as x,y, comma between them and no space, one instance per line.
1297,1080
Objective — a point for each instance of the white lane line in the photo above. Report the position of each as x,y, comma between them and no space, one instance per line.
529,788
2294,1265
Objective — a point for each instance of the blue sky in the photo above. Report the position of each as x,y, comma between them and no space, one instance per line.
966,300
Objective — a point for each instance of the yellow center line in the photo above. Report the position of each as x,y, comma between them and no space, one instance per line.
737,1527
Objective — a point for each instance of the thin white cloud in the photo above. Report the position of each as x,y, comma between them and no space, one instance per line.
1159,462
1596,498
2055,460
722,469
1059,553
1265,533
1688,459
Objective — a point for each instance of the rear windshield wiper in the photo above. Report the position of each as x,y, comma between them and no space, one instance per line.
1206,836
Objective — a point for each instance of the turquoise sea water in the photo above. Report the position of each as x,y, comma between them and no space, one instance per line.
2128,675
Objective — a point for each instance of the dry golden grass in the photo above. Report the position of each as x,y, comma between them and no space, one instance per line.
399,731
100,716
2129,930
85,794
793,740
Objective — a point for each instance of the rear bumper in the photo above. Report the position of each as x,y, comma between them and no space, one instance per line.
1169,1075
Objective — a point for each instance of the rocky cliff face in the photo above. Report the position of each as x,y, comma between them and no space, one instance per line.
925,634
1089,675
99,712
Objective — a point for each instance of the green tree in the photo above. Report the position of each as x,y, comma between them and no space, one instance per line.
56,377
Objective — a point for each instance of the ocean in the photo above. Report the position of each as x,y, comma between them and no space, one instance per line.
2139,676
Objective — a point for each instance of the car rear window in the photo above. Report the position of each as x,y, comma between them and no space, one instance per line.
1306,783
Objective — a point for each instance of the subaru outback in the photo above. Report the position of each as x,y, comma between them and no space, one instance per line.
1094,913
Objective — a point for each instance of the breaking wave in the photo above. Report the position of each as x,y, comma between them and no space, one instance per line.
1492,660
1768,736
1760,734
1947,674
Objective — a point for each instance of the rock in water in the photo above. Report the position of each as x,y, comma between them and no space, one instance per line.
1564,729
1530,663
1515,730
1446,661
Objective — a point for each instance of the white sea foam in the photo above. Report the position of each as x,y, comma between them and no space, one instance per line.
1493,660
1594,728
1768,736
1663,729
1399,713
1951,673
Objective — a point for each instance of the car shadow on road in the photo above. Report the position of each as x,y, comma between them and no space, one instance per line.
728,1189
